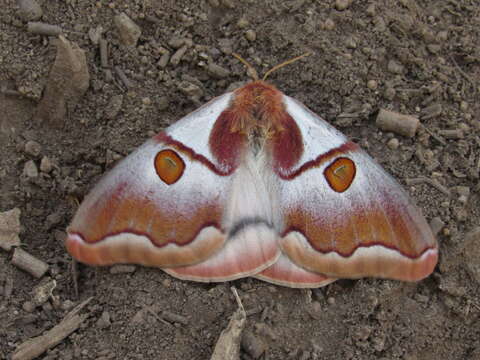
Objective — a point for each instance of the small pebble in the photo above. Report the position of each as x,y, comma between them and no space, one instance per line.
436,224
104,321
46,165
113,107
30,169
29,10
329,24
250,35
122,269
253,345
176,42
217,71
372,84
394,67
177,57
190,89
28,306
331,300
95,34
33,148
146,101
68,305
128,31
390,93
163,103
342,4
393,144
242,23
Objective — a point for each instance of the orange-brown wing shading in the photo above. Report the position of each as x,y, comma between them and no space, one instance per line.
135,216
368,228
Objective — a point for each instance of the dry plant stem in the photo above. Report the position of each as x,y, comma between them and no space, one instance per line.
103,52
228,344
29,263
36,346
40,28
432,182
123,77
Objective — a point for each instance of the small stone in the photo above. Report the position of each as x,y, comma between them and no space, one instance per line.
177,57
33,148
331,300
394,67
242,23
67,82
128,31
393,144
176,42
217,71
29,10
329,24
146,101
371,10
104,321
163,103
190,89
46,165
390,93
122,269
28,306
250,35
253,345
30,169
113,107
67,305
341,5
372,84
95,34
436,224
9,229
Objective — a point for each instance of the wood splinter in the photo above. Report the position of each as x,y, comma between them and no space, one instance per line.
36,346
228,344
401,124
29,263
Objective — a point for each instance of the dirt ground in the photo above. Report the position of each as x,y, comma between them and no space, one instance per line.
415,57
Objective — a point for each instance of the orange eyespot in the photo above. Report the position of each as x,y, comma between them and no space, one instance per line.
340,174
169,166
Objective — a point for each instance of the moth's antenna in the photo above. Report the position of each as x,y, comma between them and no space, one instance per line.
276,67
250,69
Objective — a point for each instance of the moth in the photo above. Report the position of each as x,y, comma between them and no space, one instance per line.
254,184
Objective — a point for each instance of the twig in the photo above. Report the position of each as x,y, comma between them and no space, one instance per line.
228,344
36,346
29,263
432,182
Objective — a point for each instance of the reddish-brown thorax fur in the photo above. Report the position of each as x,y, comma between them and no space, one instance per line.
257,110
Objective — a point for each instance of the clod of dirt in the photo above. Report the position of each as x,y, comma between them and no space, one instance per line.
472,253
29,10
128,31
253,345
9,229
67,82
